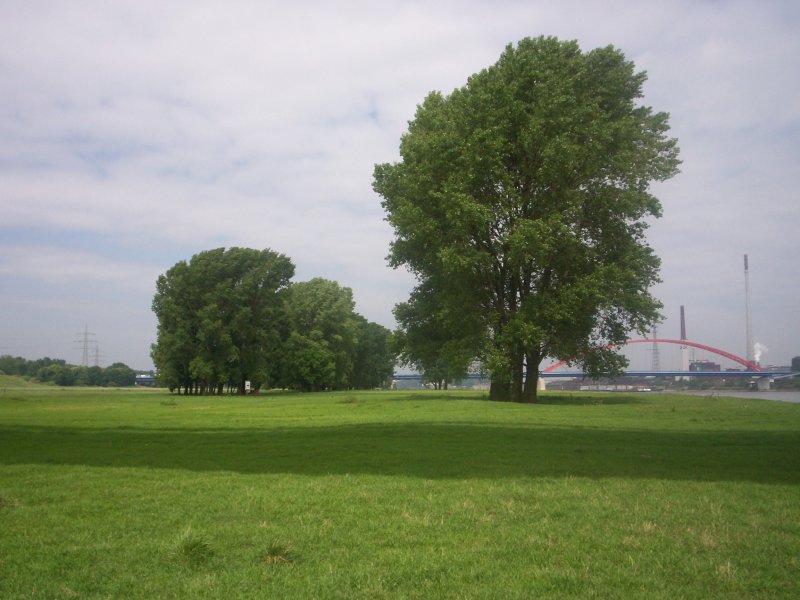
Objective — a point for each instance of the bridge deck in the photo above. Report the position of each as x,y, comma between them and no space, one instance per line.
581,375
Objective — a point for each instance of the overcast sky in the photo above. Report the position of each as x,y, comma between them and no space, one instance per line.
134,134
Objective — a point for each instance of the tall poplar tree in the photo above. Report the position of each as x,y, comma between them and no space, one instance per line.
520,201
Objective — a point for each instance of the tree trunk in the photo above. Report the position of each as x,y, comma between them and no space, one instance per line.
531,383
499,390
532,362
510,387
517,375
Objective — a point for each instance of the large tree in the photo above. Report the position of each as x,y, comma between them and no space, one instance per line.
520,202
219,317
323,335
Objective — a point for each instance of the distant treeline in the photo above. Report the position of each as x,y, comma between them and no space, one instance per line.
58,372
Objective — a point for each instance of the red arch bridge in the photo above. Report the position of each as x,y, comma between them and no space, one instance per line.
750,369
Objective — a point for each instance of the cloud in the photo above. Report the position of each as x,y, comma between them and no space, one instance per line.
135,134
57,265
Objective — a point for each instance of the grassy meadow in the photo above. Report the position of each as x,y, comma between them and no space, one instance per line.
143,494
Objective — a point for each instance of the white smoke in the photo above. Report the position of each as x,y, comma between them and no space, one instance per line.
758,350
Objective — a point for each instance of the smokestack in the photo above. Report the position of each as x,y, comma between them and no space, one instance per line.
684,349
748,317
683,323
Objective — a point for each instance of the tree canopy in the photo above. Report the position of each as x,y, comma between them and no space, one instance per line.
324,335
218,318
229,316
520,204
436,341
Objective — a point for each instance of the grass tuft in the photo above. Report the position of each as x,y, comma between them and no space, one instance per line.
192,549
278,553
726,571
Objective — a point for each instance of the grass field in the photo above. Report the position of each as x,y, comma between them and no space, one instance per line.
140,494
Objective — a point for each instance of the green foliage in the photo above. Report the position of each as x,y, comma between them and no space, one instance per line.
219,318
329,345
230,316
58,372
16,365
116,375
437,340
324,327
374,361
520,204
308,363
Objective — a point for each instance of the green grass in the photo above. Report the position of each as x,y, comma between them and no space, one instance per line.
14,381
139,494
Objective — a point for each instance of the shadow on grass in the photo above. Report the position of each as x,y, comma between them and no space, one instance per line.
557,399
433,451
596,398
439,396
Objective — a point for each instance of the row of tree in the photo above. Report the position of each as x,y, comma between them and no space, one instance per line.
57,371
232,316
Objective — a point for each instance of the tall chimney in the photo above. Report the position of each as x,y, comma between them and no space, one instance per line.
683,323
748,317
684,348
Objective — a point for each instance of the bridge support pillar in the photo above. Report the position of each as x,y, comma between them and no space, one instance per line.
762,384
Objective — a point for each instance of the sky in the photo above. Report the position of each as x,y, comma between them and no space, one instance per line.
134,134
